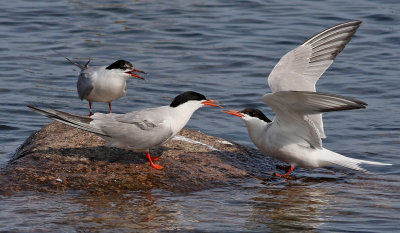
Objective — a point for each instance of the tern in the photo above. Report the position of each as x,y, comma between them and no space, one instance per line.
137,130
104,83
294,135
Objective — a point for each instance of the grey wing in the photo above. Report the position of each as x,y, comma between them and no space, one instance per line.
293,110
136,130
84,123
84,85
146,119
301,68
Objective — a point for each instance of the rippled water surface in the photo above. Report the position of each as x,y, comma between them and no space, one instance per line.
224,49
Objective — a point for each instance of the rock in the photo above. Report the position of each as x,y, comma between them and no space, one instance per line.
59,157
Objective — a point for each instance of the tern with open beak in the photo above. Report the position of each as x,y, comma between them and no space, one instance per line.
104,83
294,135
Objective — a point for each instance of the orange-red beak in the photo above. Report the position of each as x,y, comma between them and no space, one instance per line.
233,112
136,75
212,103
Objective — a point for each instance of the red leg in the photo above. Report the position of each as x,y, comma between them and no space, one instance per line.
287,173
158,167
154,158
109,106
90,108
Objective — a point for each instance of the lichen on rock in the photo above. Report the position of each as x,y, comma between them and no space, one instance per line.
59,157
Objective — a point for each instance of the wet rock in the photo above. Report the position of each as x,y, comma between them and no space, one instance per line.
59,157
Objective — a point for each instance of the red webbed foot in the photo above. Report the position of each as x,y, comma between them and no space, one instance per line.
286,175
158,167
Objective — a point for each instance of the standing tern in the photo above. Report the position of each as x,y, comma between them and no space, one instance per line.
294,135
137,130
104,83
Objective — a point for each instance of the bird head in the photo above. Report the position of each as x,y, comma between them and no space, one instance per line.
248,114
195,98
127,68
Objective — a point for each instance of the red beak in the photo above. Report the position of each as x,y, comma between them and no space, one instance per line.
233,112
136,75
212,103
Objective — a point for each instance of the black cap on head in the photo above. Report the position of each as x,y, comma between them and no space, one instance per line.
120,64
185,97
253,112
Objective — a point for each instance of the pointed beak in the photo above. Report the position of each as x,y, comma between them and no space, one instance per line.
131,72
212,103
233,112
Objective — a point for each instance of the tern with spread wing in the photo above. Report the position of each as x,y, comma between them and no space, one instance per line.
137,130
104,83
294,136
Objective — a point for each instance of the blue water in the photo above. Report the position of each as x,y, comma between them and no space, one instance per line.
225,50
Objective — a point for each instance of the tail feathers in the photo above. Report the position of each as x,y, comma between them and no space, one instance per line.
77,64
351,163
69,119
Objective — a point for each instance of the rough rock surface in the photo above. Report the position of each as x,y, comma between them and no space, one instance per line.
59,157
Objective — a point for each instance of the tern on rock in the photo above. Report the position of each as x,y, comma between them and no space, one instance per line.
137,130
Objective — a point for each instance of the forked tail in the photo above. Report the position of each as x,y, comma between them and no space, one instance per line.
77,64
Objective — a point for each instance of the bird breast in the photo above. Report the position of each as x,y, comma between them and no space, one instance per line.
107,89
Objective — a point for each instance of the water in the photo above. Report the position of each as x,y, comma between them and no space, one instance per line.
225,50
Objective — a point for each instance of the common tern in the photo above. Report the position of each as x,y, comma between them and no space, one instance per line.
137,130
104,83
294,135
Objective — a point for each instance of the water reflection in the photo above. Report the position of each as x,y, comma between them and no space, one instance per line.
253,205
285,208
223,49
125,212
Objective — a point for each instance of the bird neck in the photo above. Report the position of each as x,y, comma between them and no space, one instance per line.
256,129
114,74
181,115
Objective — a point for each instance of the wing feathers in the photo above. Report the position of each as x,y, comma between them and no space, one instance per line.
295,111
300,69
305,102
340,28
310,60
69,119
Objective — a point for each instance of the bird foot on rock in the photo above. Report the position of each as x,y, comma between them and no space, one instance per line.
286,175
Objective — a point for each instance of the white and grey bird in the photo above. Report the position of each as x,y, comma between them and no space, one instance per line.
294,136
104,83
137,130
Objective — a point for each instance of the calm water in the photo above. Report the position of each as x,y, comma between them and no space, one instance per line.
225,50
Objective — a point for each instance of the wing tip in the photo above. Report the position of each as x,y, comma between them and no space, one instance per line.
354,25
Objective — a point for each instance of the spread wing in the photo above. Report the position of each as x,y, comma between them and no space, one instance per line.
300,69
294,108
